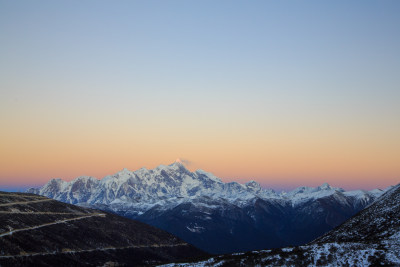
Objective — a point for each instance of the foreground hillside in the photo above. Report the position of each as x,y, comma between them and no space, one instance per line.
38,231
214,216
371,238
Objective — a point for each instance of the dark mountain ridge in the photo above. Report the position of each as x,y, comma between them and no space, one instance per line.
370,238
38,231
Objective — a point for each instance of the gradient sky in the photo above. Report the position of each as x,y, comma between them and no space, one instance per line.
287,93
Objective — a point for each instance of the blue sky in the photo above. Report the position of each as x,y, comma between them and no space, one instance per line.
190,77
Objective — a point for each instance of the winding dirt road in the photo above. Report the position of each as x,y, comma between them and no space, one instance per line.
52,223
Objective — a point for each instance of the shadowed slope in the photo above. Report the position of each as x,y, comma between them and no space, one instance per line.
370,238
35,230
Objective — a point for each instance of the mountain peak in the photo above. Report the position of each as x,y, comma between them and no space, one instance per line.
253,186
56,180
81,178
123,171
325,186
252,183
178,164
178,160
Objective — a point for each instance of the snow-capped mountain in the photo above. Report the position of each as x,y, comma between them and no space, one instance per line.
370,238
174,184
201,209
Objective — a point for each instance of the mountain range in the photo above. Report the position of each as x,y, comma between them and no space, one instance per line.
216,217
370,238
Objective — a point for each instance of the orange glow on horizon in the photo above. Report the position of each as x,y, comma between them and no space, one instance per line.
284,157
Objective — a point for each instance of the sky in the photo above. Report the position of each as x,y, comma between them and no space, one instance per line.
287,93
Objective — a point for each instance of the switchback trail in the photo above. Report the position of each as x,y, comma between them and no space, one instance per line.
52,223
43,212
22,195
65,251
25,202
